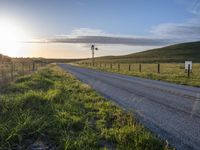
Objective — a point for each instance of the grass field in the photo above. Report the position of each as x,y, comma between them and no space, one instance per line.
171,72
51,108
175,53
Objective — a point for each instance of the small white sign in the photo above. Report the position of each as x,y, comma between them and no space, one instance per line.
187,63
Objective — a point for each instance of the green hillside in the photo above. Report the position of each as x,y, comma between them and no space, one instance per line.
174,53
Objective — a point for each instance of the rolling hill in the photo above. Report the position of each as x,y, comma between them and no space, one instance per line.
173,53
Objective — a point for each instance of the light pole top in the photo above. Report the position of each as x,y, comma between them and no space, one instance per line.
92,47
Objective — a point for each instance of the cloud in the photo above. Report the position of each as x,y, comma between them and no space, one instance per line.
195,7
161,35
87,32
188,31
96,36
192,6
185,31
112,40
83,32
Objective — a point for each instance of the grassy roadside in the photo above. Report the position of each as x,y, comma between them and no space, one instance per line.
52,109
170,72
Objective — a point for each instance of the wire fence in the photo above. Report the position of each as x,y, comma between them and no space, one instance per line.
168,69
10,70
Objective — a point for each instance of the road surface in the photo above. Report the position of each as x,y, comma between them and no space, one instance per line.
171,111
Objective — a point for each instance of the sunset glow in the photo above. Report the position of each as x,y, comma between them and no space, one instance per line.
11,38
66,29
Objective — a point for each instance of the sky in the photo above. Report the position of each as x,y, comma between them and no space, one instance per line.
67,28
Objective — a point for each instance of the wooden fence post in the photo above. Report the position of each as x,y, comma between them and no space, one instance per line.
29,67
129,67
158,68
188,70
13,66
12,71
140,67
2,71
110,66
118,67
23,68
33,66
36,66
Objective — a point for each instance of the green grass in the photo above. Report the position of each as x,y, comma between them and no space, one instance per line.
52,108
170,72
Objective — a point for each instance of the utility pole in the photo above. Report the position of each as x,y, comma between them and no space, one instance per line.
93,48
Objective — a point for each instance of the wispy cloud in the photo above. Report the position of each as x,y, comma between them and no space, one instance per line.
191,6
187,31
195,7
87,32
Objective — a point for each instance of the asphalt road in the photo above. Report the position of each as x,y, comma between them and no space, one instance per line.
171,111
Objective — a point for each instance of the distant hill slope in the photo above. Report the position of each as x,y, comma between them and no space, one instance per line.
4,58
174,53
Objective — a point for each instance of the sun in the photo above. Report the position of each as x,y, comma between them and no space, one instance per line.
12,36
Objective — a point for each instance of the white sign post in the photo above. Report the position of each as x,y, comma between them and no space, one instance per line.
188,64
188,67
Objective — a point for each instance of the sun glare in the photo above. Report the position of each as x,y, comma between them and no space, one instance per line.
11,37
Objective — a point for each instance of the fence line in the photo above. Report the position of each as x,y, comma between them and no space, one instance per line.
10,70
150,68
